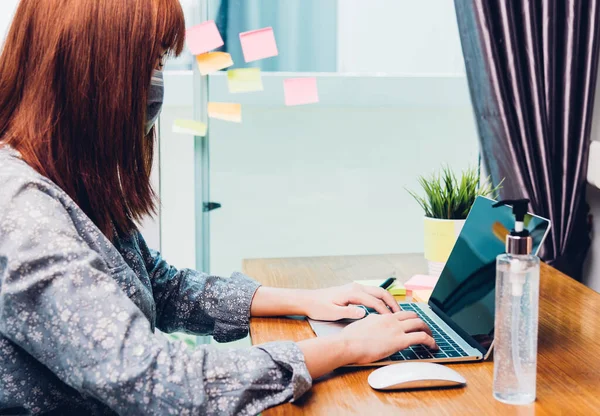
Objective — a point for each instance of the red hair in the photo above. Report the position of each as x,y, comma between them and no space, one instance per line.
74,81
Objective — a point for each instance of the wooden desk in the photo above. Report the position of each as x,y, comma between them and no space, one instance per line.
568,361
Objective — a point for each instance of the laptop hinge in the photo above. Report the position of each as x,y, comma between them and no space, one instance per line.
470,340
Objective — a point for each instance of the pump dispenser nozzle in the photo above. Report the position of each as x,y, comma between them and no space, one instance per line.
519,241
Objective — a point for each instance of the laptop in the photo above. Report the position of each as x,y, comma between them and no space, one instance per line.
460,311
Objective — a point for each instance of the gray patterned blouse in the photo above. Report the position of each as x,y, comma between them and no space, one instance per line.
78,313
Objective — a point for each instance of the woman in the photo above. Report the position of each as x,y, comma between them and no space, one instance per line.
80,292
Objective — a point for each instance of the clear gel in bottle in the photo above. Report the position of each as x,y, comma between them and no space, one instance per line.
516,326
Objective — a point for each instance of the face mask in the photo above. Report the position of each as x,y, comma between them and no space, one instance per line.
155,99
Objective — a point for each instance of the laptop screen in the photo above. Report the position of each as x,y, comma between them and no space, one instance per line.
465,292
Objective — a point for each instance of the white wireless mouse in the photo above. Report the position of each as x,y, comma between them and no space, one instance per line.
414,375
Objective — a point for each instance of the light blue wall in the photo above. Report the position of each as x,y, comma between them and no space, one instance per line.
7,9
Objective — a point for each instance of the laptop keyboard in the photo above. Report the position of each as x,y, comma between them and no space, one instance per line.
447,347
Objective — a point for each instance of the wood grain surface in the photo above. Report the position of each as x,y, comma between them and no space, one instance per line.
568,361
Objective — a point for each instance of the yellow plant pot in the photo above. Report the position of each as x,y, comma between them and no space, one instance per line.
440,237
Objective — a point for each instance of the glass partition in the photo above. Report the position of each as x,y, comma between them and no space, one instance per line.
330,178
326,178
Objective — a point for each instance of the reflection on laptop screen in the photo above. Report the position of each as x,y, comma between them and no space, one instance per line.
465,291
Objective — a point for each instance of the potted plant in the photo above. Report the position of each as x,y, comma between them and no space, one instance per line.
447,203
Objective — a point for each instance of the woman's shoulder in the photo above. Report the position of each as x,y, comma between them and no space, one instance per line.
30,201
16,177
22,186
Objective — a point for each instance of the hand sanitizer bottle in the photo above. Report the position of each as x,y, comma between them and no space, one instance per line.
516,326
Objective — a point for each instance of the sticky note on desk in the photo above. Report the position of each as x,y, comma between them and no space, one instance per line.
421,295
213,62
225,111
194,128
258,44
244,80
203,38
300,91
421,282
396,289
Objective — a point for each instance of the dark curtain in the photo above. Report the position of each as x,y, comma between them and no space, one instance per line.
532,68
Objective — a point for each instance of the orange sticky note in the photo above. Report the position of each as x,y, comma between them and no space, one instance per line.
225,111
203,38
258,44
421,295
300,91
421,282
500,231
213,62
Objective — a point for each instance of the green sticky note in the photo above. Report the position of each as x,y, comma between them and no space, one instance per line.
244,80
191,127
396,289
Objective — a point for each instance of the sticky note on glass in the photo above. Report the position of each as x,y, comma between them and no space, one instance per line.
258,44
300,91
421,282
194,128
225,111
213,62
396,289
203,38
244,80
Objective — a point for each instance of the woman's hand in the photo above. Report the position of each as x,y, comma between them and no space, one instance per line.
365,341
379,336
329,304
337,303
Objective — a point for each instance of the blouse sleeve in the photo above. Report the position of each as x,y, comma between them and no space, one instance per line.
194,302
59,304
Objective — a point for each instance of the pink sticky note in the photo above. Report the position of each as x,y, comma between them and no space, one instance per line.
258,44
421,282
203,38
299,91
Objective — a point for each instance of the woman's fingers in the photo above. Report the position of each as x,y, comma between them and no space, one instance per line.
370,301
416,338
384,295
404,315
415,325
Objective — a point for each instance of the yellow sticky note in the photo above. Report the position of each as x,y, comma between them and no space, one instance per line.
225,111
396,289
195,128
440,237
244,80
213,62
